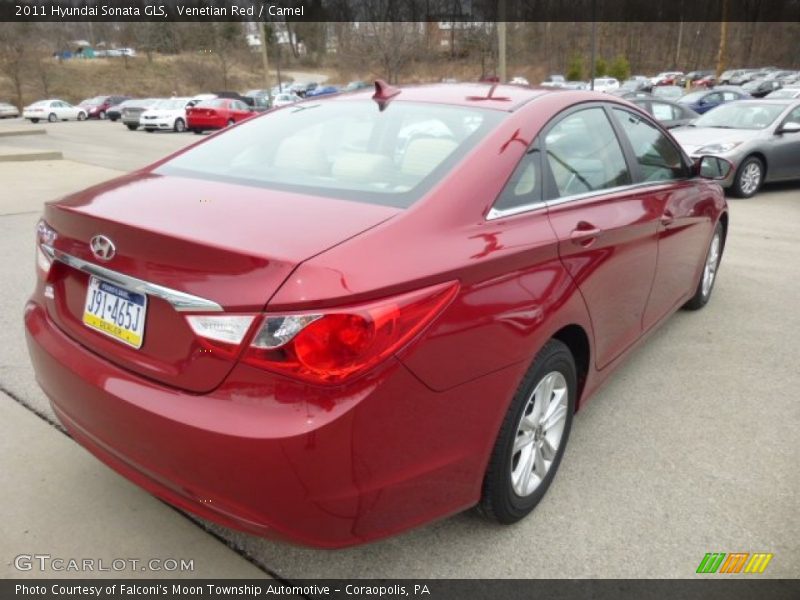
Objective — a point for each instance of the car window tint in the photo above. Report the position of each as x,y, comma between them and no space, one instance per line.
351,149
524,186
662,112
658,158
584,154
794,116
713,98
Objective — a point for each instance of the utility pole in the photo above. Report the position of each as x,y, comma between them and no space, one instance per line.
501,41
264,53
680,38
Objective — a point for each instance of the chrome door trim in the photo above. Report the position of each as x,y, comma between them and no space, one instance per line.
180,301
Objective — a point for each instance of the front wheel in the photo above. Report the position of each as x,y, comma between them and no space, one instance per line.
34,120
749,178
532,438
101,115
706,285
81,116
133,127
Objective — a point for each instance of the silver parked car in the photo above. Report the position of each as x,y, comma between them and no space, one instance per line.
8,110
761,138
133,109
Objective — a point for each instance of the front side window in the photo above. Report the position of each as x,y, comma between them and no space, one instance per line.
344,149
584,155
658,158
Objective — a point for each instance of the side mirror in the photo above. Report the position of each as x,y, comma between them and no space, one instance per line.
790,127
713,167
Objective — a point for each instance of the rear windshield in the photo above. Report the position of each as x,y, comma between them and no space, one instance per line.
350,150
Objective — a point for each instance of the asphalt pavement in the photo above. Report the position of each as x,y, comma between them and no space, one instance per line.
691,447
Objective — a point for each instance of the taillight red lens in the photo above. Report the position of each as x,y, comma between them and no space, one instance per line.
330,347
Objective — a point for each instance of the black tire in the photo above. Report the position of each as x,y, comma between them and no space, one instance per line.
231,122
101,115
133,127
702,294
113,119
499,501
197,131
81,116
149,130
742,183
180,126
52,118
34,120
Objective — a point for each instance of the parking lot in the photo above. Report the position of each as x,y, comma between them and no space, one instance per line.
690,448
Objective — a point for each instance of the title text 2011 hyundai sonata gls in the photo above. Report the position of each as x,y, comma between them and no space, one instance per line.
351,316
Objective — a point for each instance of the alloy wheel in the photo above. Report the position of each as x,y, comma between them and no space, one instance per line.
712,262
750,178
539,433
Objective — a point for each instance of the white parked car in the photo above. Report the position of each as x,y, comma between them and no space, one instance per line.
53,110
605,84
554,81
787,93
285,99
8,110
165,115
519,81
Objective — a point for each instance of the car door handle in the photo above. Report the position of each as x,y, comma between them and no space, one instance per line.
667,218
584,234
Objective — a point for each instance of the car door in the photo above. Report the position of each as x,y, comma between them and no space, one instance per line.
606,227
684,229
785,160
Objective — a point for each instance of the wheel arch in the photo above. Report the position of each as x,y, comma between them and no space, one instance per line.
576,339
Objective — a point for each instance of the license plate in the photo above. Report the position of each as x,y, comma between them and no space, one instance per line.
115,311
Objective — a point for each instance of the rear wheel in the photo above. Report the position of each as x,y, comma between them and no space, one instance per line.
706,285
133,127
749,177
532,438
180,125
231,122
101,115
52,117
197,131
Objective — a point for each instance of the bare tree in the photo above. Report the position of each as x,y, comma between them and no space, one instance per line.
14,57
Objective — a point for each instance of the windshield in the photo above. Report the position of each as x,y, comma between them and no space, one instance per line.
171,104
342,149
784,94
740,115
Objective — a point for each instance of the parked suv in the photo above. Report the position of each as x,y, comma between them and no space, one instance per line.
97,107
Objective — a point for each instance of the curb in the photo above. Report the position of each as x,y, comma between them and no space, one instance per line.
15,132
29,155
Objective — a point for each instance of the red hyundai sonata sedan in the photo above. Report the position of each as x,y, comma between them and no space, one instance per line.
353,315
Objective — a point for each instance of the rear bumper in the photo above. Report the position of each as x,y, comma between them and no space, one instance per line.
206,123
327,468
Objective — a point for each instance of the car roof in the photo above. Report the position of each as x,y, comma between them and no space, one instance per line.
484,95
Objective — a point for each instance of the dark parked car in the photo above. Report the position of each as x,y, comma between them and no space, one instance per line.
97,107
323,91
356,85
758,88
669,114
703,101
381,313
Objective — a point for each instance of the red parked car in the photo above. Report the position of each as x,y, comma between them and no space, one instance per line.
216,114
333,324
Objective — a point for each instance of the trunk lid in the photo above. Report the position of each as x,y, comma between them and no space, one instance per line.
233,245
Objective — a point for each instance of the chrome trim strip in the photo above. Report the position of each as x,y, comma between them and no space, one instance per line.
495,213
180,301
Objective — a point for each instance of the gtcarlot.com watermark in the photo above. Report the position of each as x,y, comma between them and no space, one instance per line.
47,563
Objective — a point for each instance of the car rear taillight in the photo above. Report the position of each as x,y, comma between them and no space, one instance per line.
45,235
332,346
326,346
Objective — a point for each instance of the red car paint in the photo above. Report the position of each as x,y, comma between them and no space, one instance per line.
367,457
216,114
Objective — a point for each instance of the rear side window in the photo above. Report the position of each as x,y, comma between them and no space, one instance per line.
524,187
584,155
344,149
658,158
662,112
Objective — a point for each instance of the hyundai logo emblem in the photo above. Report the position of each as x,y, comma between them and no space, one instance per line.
102,247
